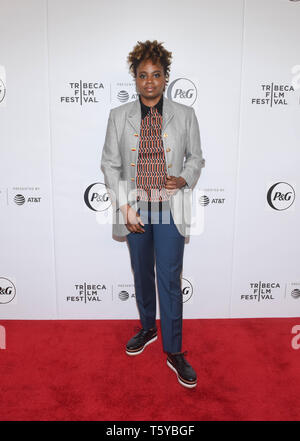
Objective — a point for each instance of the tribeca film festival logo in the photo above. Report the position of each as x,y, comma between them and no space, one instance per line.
281,196
182,90
262,291
7,290
83,93
273,95
279,94
96,197
88,292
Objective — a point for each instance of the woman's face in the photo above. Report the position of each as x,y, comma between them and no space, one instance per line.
150,79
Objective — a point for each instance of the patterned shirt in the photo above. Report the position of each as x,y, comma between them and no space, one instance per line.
151,165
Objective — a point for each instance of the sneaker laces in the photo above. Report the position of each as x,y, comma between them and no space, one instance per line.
140,328
181,353
181,359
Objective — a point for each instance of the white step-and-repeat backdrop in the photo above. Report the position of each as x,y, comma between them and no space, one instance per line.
62,67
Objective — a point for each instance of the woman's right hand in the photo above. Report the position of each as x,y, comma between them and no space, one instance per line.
132,219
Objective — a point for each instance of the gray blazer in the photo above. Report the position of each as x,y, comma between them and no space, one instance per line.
182,147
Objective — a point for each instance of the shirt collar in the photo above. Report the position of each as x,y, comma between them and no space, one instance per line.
145,109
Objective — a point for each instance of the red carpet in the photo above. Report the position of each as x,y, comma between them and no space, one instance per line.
78,370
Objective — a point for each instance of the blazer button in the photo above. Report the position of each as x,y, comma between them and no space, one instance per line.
133,164
133,149
168,149
165,135
136,134
170,165
132,179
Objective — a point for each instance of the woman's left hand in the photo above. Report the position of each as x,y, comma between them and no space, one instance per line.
173,183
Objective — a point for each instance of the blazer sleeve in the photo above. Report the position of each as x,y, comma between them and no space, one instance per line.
194,160
111,165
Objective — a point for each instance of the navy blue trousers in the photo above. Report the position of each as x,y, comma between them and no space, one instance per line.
162,245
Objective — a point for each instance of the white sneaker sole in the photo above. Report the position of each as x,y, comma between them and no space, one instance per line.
179,379
141,350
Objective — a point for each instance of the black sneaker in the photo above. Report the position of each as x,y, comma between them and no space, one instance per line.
143,338
184,371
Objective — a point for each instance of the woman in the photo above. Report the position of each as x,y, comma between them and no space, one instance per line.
144,169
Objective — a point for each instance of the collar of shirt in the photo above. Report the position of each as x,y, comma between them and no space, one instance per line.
146,109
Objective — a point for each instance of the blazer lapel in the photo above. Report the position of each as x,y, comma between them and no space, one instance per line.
168,113
134,116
